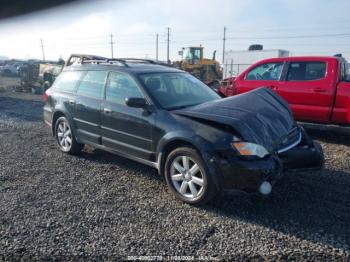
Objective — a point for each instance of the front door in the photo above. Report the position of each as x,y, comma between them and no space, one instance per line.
263,75
125,129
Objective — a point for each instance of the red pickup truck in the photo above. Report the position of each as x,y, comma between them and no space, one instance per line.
317,88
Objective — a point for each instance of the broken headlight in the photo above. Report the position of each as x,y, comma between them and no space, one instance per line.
250,149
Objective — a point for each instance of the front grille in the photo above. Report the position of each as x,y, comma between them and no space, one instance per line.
290,140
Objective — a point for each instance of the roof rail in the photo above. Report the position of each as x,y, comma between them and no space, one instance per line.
105,61
81,57
138,60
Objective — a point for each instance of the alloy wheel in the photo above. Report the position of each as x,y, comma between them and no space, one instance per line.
64,135
187,177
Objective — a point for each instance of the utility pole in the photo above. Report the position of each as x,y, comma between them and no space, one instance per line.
42,49
223,46
157,47
168,40
111,45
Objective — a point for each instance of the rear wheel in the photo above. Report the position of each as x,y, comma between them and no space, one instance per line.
65,138
187,177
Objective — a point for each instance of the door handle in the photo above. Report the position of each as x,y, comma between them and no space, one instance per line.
319,90
107,111
72,102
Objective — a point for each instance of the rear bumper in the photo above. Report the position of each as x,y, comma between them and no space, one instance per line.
248,175
47,115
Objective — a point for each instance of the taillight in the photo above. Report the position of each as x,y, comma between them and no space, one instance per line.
46,95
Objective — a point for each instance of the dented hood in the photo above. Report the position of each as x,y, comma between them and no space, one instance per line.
259,116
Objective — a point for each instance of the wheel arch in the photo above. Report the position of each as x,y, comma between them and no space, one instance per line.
55,116
170,146
59,113
200,147
180,139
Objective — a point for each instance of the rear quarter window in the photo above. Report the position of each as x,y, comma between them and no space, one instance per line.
67,81
306,71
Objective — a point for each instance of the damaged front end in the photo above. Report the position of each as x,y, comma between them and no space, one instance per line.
253,173
268,141
303,154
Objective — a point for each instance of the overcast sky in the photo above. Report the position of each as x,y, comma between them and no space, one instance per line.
313,27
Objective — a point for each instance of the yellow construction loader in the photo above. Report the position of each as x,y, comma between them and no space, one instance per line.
207,70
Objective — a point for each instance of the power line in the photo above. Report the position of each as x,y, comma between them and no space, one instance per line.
290,37
42,49
265,37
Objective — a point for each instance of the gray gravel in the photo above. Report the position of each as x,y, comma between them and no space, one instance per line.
99,205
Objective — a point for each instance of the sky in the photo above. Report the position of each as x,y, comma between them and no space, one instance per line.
313,27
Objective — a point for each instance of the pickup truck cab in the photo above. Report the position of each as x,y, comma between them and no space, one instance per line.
316,88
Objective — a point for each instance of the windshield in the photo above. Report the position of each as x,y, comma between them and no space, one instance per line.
177,90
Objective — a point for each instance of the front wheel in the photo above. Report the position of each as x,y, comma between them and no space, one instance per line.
65,138
187,177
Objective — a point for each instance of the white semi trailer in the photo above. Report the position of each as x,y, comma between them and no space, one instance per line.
237,61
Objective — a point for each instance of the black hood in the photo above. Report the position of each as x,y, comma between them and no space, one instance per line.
259,116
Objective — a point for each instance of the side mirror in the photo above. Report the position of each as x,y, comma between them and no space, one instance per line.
136,102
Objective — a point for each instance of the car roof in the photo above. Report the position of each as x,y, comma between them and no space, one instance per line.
299,58
134,68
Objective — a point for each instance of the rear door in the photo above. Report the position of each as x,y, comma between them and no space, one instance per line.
64,94
266,74
126,129
308,88
87,116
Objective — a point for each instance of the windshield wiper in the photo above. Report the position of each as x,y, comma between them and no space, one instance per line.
180,107
177,107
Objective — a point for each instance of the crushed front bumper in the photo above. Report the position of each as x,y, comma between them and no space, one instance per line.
233,172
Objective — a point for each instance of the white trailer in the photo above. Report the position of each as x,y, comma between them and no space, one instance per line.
237,61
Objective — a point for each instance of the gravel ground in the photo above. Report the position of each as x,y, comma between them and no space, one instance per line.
99,205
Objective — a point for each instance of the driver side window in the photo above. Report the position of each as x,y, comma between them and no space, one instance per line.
121,86
269,71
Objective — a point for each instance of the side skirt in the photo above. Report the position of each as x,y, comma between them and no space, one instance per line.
123,154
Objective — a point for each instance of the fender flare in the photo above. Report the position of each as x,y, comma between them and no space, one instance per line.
62,111
200,144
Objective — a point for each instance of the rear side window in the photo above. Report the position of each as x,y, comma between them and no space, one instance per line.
306,71
67,81
269,71
92,84
121,86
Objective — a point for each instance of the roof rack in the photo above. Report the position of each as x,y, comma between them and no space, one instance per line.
93,59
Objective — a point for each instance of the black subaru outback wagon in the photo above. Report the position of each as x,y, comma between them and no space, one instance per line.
168,119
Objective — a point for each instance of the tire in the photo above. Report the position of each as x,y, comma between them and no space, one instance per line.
190,184
320,149
65,138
